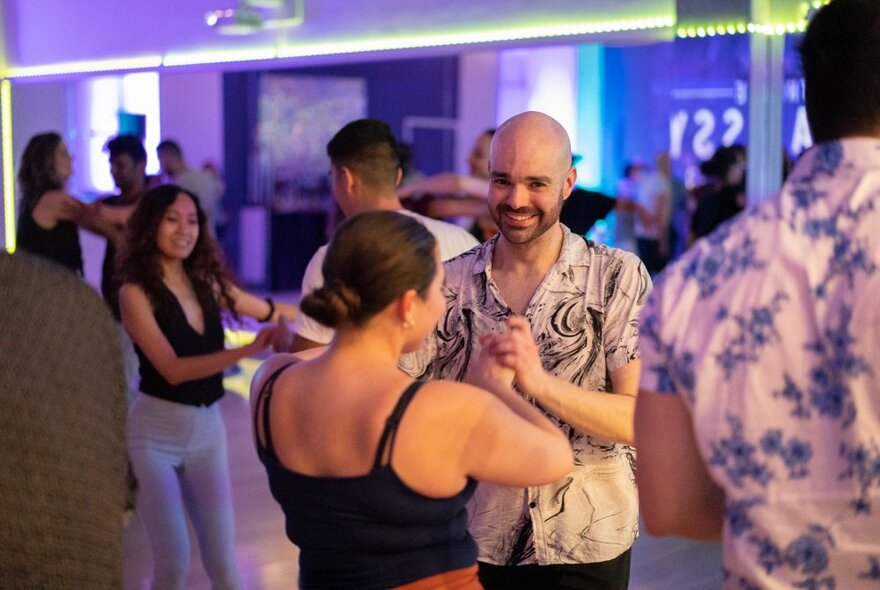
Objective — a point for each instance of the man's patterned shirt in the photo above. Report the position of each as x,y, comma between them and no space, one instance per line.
769,331
584,318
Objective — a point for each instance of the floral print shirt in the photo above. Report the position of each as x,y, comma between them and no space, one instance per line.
584,318
769,331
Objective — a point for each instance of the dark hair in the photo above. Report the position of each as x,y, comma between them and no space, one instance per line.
374,258
723,160
36,174
129,145
366,147
169,146
630,167
138,260
406,155
841,74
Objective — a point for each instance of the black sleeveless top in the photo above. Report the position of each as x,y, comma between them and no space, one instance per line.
369,531
60,244
186,342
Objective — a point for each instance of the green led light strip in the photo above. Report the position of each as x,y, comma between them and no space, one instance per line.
442,40
86,67
8,172
741,28
339,48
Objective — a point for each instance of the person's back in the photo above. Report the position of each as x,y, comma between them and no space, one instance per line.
63,467
372,469
364,171
766,335
778,367
362,508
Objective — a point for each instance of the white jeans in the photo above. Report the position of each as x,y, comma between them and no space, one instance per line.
178,453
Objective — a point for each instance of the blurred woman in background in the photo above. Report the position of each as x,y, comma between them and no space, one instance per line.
47,223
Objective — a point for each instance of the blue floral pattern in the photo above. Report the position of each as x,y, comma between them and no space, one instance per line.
756,330
769,332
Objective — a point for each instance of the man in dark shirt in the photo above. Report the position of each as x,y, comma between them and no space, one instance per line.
584,208
128,162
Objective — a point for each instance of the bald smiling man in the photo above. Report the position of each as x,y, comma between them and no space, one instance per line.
561,314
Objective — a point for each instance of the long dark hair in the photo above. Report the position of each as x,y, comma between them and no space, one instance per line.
138,260
36,174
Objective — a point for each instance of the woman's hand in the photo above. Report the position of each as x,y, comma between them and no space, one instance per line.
262,341
487,372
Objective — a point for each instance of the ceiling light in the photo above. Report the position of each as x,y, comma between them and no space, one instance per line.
253,16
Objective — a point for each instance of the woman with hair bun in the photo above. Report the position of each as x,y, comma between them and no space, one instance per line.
372,469
174,289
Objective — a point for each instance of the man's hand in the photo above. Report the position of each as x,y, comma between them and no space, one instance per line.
516,350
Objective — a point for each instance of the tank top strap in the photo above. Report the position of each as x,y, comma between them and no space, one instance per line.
389,434
262,409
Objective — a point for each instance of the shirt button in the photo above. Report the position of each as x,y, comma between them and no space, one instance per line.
532,504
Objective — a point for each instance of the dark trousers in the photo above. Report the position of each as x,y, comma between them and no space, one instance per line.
604,575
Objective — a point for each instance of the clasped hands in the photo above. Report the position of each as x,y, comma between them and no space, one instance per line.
509,356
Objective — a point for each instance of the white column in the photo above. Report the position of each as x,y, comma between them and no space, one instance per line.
766,53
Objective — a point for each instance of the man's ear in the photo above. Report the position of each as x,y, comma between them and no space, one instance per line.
569,182
349,179
399,177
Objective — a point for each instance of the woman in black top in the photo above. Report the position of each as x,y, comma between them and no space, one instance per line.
47,224
373,470
174,288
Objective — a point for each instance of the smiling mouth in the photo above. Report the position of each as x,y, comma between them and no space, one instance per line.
517,217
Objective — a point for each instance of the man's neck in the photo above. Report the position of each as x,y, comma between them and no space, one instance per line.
518,269
528,259
132,193
379,202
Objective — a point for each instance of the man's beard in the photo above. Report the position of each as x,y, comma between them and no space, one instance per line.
546,220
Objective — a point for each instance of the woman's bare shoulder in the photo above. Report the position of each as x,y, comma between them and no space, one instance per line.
455,397
270,366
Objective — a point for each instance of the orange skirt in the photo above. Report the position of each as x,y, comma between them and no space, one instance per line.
460,579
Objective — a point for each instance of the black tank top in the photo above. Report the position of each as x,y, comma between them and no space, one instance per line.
60,244
186,342
369,531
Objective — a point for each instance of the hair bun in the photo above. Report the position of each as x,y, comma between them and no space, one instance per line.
332,305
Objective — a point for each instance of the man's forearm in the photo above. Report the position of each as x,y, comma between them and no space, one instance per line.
605,415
